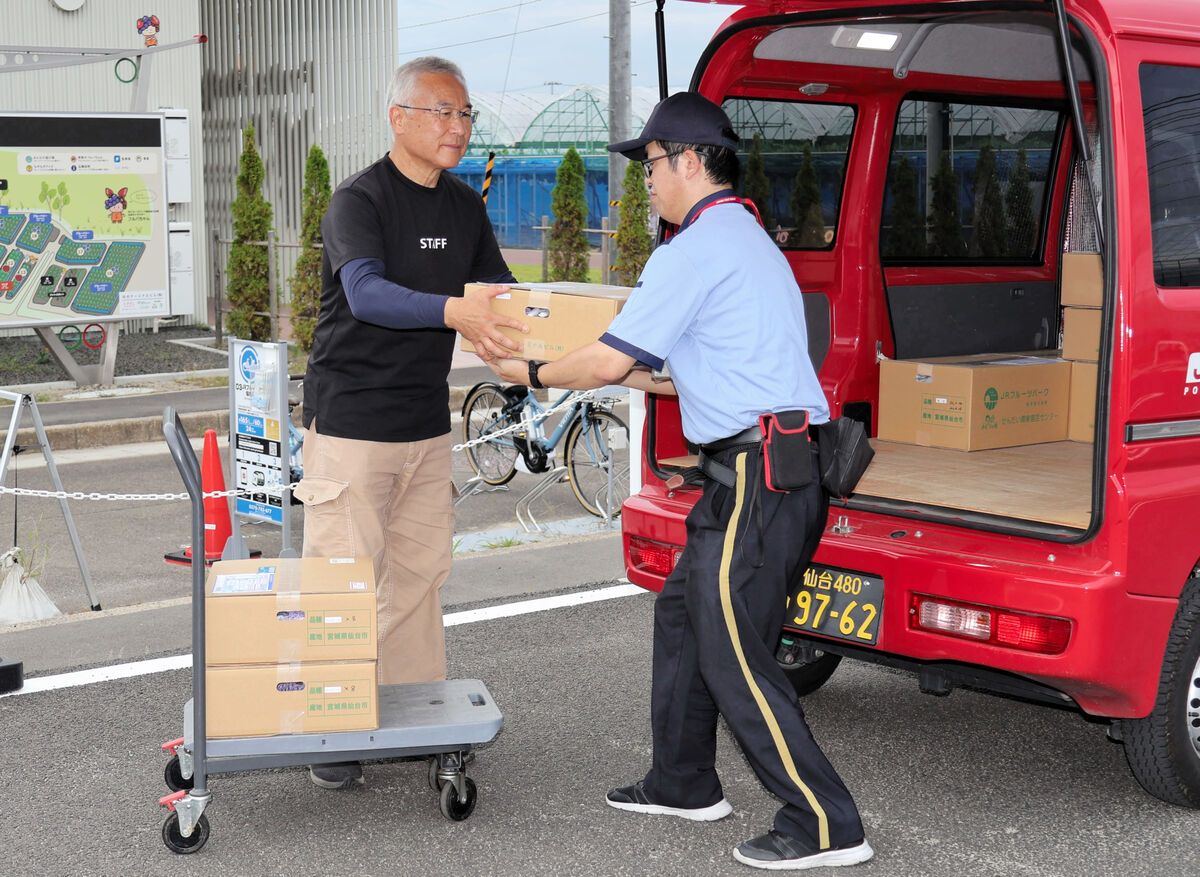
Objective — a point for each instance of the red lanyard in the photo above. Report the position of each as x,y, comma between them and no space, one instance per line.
728,199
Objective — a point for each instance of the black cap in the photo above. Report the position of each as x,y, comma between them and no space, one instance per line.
685,117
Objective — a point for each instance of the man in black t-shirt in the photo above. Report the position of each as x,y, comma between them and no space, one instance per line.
401,238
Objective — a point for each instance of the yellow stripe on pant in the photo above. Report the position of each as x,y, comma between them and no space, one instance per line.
785,754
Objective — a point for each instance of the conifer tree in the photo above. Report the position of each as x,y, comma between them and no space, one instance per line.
633,233
808,215
306,279
906,237
568,244
758,187
248,285
989,238
1018,201
945,224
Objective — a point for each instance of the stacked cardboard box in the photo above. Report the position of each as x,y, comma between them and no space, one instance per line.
973,403
1082,298
561,316
290,646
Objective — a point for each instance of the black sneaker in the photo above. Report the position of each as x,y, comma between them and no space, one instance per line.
776,851
339,775
634,799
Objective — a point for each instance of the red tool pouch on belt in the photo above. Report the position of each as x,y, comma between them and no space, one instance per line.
787,455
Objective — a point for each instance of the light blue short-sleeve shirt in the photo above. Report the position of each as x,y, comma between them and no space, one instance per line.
719,305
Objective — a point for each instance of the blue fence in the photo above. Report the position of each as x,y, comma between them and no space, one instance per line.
520,193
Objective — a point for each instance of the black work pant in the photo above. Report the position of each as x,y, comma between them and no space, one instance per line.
716,626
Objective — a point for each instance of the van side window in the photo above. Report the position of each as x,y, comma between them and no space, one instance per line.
1171,111
967,182
793,166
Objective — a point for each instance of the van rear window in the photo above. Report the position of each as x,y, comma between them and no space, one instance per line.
1171,111
967,182
793,157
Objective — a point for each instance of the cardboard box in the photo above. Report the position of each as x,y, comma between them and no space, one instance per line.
1081,334
974,402
290,609
561,316
251,700
1082,280
1082,416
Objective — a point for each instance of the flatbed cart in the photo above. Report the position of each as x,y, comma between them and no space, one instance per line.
442,720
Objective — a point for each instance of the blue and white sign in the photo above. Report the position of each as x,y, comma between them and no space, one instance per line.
258,407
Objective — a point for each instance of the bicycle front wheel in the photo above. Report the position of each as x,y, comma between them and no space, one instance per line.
495,460
597,461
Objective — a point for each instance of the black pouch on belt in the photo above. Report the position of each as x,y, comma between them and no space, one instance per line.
845,454
787,455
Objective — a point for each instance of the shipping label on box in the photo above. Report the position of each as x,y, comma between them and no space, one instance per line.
974,402
561,316
250,700
1082,418
290,609
1082,280
1081,334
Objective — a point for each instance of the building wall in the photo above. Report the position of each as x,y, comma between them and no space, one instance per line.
171,79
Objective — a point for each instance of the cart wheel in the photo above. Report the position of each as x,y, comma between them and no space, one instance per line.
177,843
176,781
455,808
434,782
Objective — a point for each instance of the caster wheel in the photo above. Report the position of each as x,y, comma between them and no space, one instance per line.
176,781
177,843
435,782
455,808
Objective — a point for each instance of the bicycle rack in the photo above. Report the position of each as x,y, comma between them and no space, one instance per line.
557,475
475,484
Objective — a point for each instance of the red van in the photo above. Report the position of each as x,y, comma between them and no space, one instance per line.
992,208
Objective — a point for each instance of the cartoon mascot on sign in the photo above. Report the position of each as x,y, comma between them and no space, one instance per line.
147,26
116,204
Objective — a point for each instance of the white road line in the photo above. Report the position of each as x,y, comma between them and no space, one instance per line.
183,662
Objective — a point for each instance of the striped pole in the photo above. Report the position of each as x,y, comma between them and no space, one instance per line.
487,176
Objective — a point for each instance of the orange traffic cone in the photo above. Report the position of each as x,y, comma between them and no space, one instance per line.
217,525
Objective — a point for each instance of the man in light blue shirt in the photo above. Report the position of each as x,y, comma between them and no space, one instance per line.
718,305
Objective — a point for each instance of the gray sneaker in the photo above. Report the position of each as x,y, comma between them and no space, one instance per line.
776,851
634,799
339,775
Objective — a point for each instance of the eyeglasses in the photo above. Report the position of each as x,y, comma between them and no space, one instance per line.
647,162
445,114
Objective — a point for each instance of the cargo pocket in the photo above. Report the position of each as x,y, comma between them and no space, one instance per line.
328,529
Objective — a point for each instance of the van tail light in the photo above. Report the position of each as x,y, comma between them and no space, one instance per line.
656,558
1045,634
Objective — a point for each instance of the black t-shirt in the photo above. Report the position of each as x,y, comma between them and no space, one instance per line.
372,383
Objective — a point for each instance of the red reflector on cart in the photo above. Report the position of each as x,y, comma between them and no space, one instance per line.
653,557
1000,627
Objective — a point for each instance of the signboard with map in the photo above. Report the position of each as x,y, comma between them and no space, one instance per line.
83,218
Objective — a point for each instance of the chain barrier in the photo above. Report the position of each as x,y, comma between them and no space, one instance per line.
528,421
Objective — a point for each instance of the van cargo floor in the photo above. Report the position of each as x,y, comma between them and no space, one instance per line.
1049,483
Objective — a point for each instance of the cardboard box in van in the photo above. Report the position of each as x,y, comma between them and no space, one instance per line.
561,316
250,700
1082,280
973,403
1082,417
1081,334
290,609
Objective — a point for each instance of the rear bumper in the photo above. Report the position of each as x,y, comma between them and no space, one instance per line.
1111,664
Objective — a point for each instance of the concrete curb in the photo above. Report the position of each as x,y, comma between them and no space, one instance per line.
130,430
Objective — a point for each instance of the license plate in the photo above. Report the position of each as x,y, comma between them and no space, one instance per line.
837,603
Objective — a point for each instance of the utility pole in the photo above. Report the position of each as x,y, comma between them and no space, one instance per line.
620,102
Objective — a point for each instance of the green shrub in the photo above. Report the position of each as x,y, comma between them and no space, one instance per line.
306,280
248,287
568,244
633,234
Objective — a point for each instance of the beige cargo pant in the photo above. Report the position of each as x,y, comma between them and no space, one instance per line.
391,502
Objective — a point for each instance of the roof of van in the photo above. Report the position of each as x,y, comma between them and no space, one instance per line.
1172,18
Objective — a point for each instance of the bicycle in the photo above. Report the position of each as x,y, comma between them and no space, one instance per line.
595,438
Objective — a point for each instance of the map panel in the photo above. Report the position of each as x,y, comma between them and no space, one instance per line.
83,217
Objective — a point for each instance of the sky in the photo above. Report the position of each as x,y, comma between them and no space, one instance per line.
549,46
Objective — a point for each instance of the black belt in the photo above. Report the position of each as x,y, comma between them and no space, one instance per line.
719,472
